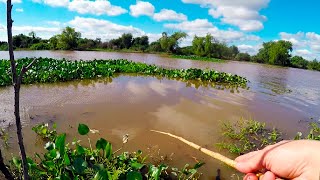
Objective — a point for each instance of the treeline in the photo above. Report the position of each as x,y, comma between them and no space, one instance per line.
273,52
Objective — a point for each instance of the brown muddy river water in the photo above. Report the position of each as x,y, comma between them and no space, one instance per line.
285,98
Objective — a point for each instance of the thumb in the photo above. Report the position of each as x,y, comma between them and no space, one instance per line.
251,164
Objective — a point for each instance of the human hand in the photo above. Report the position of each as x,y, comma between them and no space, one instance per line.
298,160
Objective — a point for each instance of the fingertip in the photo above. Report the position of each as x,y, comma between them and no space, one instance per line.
250,176
247,167
246,156
268,176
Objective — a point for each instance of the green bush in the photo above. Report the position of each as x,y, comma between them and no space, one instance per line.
41,46
243,57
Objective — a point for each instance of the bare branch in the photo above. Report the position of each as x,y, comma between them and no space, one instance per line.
24,70
16,84
4,168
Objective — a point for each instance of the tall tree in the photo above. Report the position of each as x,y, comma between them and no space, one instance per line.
68,39
171,43
275,52
126,40
198,46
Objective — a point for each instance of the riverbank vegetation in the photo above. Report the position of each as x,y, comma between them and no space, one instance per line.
202,48
72,160
246,136
46,70
198,58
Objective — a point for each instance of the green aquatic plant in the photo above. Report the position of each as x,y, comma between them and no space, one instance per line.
45,132
198,58
314,133
63,160
248,135
245,136
48,70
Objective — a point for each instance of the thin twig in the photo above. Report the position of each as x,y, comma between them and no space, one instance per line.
24,70
16,83
4,168
215,155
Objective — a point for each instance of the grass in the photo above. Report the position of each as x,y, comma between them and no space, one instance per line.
249,135
198,58
47,70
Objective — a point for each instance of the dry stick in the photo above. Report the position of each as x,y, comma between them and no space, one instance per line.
4,168
215,155
16,83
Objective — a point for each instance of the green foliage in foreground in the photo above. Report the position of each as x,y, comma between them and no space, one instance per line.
249,135
66,161
192,57
47,70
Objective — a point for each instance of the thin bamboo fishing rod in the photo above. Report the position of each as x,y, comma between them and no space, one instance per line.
215,155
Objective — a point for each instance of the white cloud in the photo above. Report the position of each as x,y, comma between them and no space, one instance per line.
305,53
13,1
297,39
54,23
97,7
53,3
19,10
201,27
308,44
89,28
195,25
106,30
241,13
142,8
250,49
169,15
43,32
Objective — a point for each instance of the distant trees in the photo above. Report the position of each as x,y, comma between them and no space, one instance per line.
171,43
68,39
140,43
272,52
85,43
3,46
23,41
243,57
299,62
275,52
314,65
208,46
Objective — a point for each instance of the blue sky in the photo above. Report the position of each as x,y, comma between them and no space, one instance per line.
245,23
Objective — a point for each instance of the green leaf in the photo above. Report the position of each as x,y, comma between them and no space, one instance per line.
16,162
101,175
60,144
136,165
80,150
83,129
108,150
49,146
104,145
66,159
133,175
101,144
79,165
198,165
